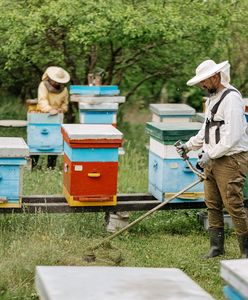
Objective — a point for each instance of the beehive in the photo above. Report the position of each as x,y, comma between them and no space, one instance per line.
97,104
44,133
13,154
90,163
168,172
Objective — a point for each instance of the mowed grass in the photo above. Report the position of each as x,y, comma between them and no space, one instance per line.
166,239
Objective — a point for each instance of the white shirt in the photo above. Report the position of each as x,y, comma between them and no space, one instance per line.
233,134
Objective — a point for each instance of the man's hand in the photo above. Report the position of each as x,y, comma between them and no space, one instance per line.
53,112
203,160
182,149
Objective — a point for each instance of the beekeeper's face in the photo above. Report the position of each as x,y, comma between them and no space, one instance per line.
211,84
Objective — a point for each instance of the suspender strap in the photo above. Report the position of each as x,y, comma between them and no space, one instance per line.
210,122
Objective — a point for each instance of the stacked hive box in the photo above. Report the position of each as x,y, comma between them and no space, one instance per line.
13,153
97,104
90,164
168,173
235,274
104,113
171,112
44,133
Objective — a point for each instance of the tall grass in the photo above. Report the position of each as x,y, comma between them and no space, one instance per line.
166,239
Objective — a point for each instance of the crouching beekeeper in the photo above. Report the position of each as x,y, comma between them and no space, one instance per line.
52,99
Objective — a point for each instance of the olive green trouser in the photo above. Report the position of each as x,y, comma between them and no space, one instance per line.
224,187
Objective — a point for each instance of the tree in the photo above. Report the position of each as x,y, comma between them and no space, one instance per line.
139,43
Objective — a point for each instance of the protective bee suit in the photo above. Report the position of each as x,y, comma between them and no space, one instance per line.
224,140
53,99
50,97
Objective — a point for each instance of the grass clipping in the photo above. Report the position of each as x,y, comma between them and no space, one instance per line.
106,254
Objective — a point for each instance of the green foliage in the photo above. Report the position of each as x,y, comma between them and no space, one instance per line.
139,43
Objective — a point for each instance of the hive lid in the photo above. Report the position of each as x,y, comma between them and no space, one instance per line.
171,132
94,90
172,109
13,123
13,147
99,107
235,273
91,131
70,282
45,118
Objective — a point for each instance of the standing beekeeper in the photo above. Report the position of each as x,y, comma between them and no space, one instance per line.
224,140
52,99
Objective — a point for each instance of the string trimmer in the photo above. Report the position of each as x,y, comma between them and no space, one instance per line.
90,256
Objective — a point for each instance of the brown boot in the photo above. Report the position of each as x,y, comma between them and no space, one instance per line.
216,242
243,245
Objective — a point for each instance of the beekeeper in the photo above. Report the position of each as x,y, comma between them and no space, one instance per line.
52,99
224,141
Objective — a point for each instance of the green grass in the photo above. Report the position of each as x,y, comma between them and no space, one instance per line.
166,239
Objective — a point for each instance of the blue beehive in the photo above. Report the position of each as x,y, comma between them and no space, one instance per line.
104,113
13,153
168,173
94,90
44,133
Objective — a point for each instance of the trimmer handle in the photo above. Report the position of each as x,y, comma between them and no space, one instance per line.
181,153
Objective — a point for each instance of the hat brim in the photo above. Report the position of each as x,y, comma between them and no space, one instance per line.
51,73
198,78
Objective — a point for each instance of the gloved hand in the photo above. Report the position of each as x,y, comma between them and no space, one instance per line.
182,149
204,159
53,112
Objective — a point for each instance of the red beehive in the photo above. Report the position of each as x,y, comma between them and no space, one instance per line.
91,163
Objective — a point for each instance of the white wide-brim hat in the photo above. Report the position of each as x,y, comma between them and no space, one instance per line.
205,70
58,74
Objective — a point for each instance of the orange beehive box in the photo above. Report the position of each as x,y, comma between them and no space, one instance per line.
90,178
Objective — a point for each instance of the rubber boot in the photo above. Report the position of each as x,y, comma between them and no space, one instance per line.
216,242
243,245
51,161
34,160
